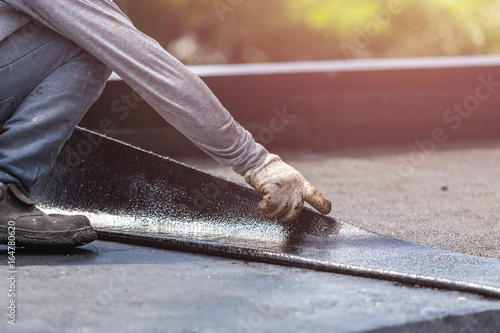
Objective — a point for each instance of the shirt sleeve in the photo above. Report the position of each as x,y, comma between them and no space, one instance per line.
177,94
11,20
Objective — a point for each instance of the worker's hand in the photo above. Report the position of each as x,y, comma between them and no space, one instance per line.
284,190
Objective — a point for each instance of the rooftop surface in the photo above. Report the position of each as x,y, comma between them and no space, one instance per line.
450,201
356,132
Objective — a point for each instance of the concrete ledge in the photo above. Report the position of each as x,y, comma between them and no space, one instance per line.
335,66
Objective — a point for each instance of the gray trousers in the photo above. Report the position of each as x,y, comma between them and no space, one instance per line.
179,96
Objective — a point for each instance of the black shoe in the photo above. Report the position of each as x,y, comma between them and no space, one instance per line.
35,228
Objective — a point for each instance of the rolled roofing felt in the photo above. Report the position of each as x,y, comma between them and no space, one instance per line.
138,197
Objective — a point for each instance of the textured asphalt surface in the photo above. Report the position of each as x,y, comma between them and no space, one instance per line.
449,200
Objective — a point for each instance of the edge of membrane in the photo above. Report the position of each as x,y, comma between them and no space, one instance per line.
247,253
169,189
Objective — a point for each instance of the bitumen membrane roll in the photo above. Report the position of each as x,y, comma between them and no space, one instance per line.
137,197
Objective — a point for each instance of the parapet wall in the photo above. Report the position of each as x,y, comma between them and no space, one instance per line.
327,105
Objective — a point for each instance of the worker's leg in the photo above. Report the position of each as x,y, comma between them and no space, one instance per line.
47,83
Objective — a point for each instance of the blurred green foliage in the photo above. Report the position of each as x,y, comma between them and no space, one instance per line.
234,31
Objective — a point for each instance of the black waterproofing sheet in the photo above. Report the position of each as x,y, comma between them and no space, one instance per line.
138,197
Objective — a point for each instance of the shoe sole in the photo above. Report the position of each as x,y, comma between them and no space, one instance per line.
26,238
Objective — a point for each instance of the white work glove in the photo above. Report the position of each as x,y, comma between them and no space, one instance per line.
284,190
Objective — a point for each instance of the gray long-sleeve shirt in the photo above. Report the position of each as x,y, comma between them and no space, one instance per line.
179,96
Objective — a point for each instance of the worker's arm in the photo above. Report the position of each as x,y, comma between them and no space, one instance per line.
178,95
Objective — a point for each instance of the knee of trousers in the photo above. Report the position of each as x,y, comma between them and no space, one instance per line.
95,71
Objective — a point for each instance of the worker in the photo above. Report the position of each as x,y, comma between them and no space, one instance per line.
55,58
